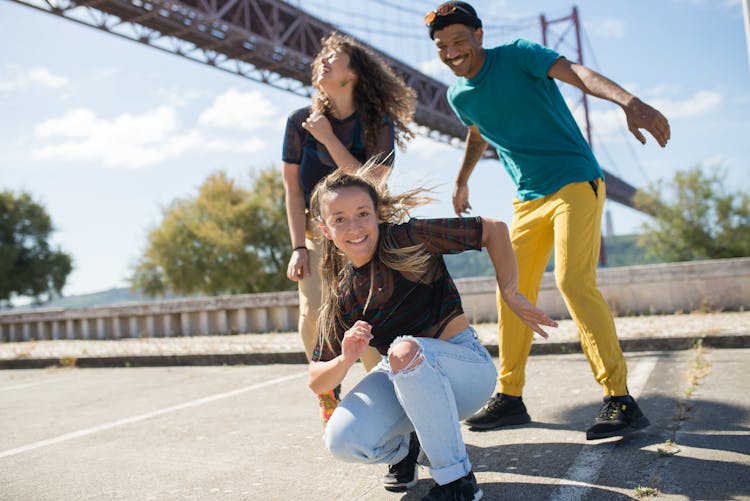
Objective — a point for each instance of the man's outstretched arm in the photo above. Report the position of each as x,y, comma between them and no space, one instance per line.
638,114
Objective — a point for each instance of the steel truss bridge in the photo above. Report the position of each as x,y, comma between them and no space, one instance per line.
267,41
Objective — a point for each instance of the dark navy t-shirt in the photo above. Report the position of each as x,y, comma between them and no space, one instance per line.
315,163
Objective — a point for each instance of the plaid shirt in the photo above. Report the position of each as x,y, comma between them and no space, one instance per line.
403,304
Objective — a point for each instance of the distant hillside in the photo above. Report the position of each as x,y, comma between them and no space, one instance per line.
622,250
104,298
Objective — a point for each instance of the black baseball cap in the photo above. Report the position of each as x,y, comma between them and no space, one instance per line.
448,13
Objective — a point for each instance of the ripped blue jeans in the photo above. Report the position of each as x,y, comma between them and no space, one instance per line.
447,381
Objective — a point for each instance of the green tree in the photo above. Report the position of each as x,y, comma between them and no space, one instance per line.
226,240
695,217
29,266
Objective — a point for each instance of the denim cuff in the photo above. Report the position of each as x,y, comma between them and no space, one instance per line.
448,474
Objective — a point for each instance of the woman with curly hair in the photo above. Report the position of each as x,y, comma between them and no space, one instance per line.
360,110
385,284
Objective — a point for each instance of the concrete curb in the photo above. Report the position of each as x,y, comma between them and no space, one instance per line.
156,360
646,344
298,357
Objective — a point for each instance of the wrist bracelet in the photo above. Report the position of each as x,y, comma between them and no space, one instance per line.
299,247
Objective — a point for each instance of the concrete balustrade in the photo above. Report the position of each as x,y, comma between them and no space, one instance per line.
665,288
264,312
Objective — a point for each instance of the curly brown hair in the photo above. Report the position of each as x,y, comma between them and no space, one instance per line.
379,92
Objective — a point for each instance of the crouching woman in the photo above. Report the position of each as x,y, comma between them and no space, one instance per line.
386,285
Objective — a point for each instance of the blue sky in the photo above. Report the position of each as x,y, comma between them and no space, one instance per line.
105,132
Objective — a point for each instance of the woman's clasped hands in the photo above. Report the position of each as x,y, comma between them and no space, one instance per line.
356,340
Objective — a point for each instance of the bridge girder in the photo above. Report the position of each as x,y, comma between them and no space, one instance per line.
268,41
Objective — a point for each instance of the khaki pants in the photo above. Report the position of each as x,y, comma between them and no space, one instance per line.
570,221
309,307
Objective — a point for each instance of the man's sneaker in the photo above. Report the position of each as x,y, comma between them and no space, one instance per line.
499,411
618,416
328,403
463,489
403,475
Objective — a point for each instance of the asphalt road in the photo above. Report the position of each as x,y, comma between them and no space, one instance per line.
252,432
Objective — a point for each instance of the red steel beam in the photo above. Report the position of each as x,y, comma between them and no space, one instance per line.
268,41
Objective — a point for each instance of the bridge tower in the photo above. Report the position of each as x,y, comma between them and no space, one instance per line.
548,37
553,40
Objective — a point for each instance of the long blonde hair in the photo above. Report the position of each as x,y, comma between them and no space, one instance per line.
378,93
412,261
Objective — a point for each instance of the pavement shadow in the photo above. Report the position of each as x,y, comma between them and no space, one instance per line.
531,491
674,475
704,424
706,416
721,480
667,414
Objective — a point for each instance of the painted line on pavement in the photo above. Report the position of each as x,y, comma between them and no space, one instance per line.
577,482
148,415
25,385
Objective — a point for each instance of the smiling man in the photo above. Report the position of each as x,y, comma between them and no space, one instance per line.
507,96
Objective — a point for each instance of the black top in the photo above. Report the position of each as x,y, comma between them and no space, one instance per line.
315,163
401,304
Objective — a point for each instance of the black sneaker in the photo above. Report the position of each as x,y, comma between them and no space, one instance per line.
618,416
403,475
499,411
463,489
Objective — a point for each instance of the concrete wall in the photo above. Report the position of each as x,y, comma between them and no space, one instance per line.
720,284
666,288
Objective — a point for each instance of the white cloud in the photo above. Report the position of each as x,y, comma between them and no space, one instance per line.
710,3
177,97
128,140
713,162
45,78
77,123
701,103
655,91
246,111
125,141
606,28
607,123
437,70
417,166
19,79
430,148
608,120
251,145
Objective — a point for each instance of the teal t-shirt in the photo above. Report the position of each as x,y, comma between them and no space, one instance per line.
522,114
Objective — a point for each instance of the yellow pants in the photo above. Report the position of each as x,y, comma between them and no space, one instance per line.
569,220
309,307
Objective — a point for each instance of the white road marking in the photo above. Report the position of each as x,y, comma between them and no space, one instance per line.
148,415
26,385
577,482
